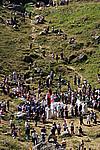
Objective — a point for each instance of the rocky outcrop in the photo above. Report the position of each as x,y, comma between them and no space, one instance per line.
80,58
71,57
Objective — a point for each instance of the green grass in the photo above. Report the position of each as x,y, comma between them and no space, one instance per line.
78,20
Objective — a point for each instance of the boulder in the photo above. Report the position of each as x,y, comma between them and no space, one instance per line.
15,7
35,56
65,134
96,39
28,59
71,57
42,33
39,19
80,58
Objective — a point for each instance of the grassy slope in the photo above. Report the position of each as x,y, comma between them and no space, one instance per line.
78,20
12,45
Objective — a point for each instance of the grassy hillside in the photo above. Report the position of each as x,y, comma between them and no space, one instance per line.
80,21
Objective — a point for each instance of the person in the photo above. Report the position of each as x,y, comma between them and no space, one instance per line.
67,2
36,119
72,128
43,133
30,45
59,129
53,130
69,87
43,136
88,119
8,105
11,121
19,132
66,111
72,110
75,80
80,109
62,112
34,137
65,125
91,115
78,81
48,81
76,110
14,133
39,92
63,143
43,130
30,14
82,145
57,58
43,118
44,54
27,130
80,131
61,55
95,118
81,119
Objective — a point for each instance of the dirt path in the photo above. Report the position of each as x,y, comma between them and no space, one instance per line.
34,36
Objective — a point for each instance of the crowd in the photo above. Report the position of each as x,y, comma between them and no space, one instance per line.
52,105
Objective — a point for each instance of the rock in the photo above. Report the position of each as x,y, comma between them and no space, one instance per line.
71,57
34,56
96,39
65,134
16,7
42,33
39,19
97,26
28,59
80,58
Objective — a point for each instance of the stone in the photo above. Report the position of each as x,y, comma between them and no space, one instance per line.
28,59
96,39
15,7
39,19
71,57
65,134
35,56
80,58
42,33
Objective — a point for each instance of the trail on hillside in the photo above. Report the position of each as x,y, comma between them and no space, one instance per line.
34,35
